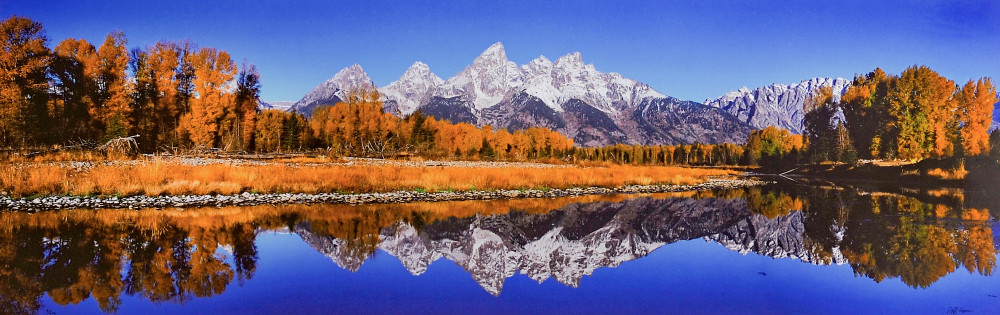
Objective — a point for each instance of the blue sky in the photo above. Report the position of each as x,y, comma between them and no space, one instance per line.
688,49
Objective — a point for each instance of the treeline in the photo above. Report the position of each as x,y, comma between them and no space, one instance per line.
170,94
684,154
359,127
916,115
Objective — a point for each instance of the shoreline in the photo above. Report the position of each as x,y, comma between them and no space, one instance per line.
138,202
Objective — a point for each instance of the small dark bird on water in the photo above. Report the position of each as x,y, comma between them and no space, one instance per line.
762,273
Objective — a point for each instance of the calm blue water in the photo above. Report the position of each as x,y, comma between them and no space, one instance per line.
691,277
694,263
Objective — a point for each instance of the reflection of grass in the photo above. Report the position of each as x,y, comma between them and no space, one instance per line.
155,177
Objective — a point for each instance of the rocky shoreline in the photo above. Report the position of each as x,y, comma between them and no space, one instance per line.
249,199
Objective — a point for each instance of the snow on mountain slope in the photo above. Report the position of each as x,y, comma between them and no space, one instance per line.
776,105
279,105
486,81
332,91
416,87
592,107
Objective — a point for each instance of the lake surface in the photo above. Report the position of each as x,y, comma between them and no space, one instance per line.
788,248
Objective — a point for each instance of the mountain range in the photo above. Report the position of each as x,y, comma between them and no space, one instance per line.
569,96
593,108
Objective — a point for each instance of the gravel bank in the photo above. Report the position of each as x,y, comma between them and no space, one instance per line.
248,199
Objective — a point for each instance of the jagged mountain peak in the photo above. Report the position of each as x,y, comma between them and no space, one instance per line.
417,69
352,77
332,91
574,58
418,73
486,81
415,87
495,53
541,60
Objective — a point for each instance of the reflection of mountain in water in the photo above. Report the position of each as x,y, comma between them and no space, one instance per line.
573,241
781,237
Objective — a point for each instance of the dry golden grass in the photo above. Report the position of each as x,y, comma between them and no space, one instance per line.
954,174
155,177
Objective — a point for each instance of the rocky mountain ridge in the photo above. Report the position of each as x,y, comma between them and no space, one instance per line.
592,107
778,105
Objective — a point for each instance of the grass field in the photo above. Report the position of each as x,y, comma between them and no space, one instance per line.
157,176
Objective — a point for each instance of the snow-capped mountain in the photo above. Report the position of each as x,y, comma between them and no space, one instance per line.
486,81
416,87
592,107
776,105
279,105
332,91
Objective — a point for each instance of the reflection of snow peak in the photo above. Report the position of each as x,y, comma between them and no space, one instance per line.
574,241
781,237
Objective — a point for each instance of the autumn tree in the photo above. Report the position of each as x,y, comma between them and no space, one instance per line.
865,105
820,109
772,148
164,61
268,130
112,102
144,97
24,59
245,110
213,74
975,104
73,73
923,112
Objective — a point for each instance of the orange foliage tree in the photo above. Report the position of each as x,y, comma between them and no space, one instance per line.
975,103
111,108
214,72
24,59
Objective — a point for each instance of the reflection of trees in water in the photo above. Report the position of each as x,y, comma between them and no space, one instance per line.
169,256
173,256
74,256
899,236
